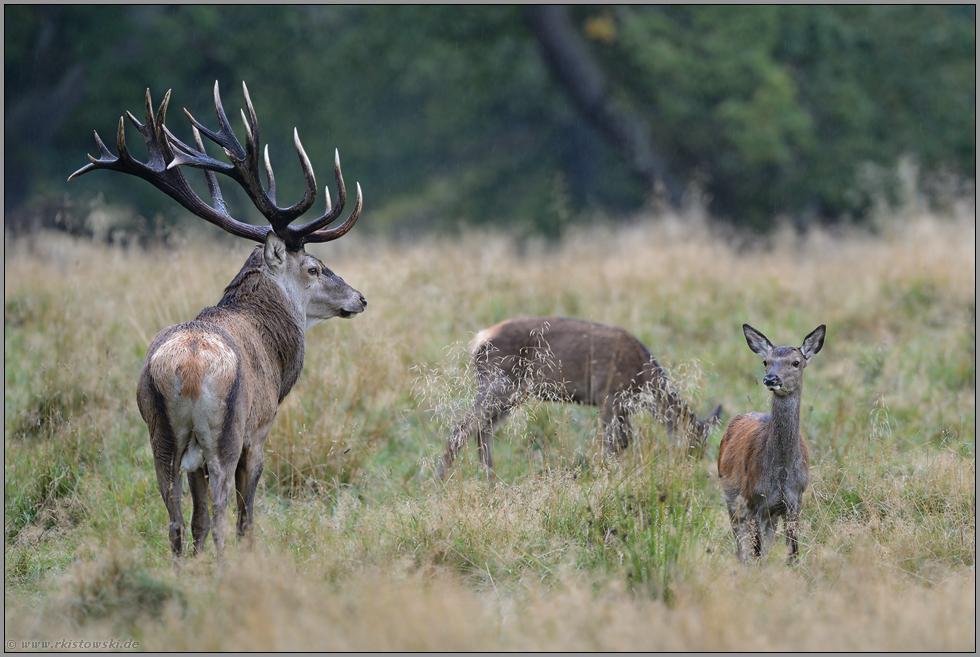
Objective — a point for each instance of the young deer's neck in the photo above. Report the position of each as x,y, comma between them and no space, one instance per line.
783,444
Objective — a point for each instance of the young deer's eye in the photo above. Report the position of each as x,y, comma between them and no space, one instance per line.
312,271
796,363
765,363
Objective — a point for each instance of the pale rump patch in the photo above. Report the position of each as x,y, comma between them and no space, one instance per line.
484,336
182,364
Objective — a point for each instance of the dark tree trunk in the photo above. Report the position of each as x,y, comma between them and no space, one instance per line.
573,66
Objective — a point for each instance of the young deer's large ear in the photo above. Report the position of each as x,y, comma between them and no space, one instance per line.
275,252
813,342
757,342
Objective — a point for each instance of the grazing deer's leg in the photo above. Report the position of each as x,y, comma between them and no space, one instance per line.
495,397
616,427
460,434
200,520
484,439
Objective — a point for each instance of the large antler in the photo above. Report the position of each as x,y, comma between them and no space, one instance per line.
166,153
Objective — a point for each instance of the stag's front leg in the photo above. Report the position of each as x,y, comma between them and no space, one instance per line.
246,482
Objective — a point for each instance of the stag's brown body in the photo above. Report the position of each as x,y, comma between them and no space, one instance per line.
210,388
209,391
569,360
763,459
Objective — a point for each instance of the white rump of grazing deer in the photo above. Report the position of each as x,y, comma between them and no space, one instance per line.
763,460
570,360
210,388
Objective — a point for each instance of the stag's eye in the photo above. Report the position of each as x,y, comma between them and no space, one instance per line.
796,363
312,271
765,363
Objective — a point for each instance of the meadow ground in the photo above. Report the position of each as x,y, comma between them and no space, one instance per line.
358,548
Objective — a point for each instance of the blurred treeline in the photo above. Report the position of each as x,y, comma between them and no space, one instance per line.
523,116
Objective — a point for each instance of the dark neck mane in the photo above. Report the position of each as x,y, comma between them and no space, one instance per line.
256,298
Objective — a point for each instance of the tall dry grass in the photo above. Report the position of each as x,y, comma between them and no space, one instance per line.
357,546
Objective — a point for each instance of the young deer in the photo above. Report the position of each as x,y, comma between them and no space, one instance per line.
210,388
762,460
569,360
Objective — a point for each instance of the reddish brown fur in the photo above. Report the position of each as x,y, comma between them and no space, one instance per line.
739,454
182,363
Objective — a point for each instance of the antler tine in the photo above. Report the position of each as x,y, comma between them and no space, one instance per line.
332,212
167,154
251,126
213,188
309,194
328,235
271,177
167,178
244,167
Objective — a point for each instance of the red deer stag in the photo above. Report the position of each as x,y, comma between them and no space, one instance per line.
210,388
762,460
570,360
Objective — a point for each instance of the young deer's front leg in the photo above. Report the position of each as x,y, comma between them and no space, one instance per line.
792,529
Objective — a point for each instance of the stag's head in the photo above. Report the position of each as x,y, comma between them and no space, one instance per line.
318,293
784,365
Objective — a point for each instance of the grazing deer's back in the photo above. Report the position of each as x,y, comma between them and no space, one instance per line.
590,359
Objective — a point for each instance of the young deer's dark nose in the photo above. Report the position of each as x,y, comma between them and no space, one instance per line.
363,300
770,380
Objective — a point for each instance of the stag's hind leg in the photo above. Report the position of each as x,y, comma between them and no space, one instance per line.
200,520
170,484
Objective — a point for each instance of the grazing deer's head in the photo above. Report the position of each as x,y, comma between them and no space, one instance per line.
315,291
784,365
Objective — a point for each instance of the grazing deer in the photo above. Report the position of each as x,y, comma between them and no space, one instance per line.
570,360
762,460
210,388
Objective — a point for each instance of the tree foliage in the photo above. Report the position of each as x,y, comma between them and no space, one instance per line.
449,114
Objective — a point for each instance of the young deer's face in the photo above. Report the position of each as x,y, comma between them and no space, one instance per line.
318,292
784,365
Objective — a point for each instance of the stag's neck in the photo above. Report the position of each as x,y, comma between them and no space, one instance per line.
783,443
258,301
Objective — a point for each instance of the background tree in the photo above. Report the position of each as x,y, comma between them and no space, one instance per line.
453,115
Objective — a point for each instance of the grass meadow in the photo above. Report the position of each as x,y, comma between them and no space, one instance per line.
357,547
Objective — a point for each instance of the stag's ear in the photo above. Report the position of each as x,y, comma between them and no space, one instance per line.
813,342
757,342
275,252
